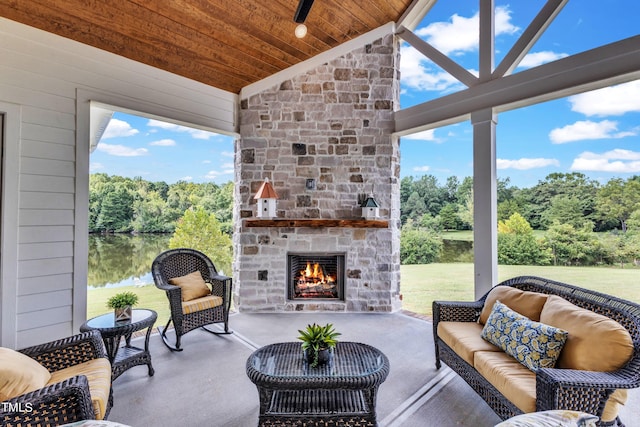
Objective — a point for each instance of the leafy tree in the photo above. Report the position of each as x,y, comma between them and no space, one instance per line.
516,224
430,222
565,210
465,212
521,249
571,246
449,217
517,245
415,207
538,198
200,230
508,208
618,199
116,211
418,245
149,214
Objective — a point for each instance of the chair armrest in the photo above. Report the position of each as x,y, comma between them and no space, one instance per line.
59,354
456,311
572,389
220,278
221,286
55,404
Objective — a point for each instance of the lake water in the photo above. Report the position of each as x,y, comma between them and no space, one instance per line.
125,260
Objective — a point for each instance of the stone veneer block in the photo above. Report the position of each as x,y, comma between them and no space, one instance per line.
332,124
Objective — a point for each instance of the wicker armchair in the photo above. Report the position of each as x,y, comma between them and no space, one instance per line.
176,263
61,402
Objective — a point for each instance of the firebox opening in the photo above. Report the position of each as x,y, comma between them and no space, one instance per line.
316,276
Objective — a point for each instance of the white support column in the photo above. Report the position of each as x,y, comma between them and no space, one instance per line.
485,201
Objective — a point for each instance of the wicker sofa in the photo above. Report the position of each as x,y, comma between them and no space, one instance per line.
512,389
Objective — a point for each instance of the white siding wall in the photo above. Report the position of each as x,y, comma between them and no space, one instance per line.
48,80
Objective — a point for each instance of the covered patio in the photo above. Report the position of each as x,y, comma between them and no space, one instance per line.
243,73
207,385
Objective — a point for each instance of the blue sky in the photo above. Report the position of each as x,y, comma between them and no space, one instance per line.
595,133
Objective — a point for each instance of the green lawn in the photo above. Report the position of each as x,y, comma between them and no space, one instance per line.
421,284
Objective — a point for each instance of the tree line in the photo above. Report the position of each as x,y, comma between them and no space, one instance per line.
118,204
569,207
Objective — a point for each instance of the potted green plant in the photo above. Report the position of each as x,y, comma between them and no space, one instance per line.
121,303
318,343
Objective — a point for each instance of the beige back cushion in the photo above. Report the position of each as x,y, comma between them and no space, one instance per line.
529,304
595,343
192,285
20,374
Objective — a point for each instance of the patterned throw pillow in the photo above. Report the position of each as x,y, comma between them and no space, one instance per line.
553,418
533,344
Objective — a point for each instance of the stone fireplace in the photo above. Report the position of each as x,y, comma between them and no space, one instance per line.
324,140
315,276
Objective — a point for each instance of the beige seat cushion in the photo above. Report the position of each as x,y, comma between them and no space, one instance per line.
611,408
98,373
595,343
198,304
464,338
20,374
510,377
193,286
529,304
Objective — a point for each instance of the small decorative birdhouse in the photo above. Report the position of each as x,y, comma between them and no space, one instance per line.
370,208
266,197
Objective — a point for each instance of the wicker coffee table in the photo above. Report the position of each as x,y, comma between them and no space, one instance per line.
127,356
341,393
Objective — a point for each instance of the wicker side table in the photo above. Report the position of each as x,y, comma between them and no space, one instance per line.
341,393
127,356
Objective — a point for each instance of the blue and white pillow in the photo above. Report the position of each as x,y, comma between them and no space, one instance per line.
533,344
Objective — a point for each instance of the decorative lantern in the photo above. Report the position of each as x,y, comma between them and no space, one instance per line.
370,208
266,197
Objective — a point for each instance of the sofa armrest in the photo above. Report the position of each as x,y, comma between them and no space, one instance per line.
52,405
60,354
571,389
456,311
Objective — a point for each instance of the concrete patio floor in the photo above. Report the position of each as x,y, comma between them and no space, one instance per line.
206,384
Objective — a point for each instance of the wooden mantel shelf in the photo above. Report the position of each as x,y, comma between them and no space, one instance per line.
318,223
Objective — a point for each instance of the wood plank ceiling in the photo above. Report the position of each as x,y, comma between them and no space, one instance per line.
222,43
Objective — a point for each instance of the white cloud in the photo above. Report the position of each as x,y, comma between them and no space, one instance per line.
95,166
227,154
420,73
195,133
425,135
206,162
117,128
609,101
524,164
460,34
216,173
163,143
616,161
422,168
587,129
538,58
457,36
122,151
186,178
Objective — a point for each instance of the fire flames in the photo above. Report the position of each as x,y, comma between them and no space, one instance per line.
314,275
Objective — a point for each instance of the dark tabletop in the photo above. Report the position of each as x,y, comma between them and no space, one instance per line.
140,318
353,364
